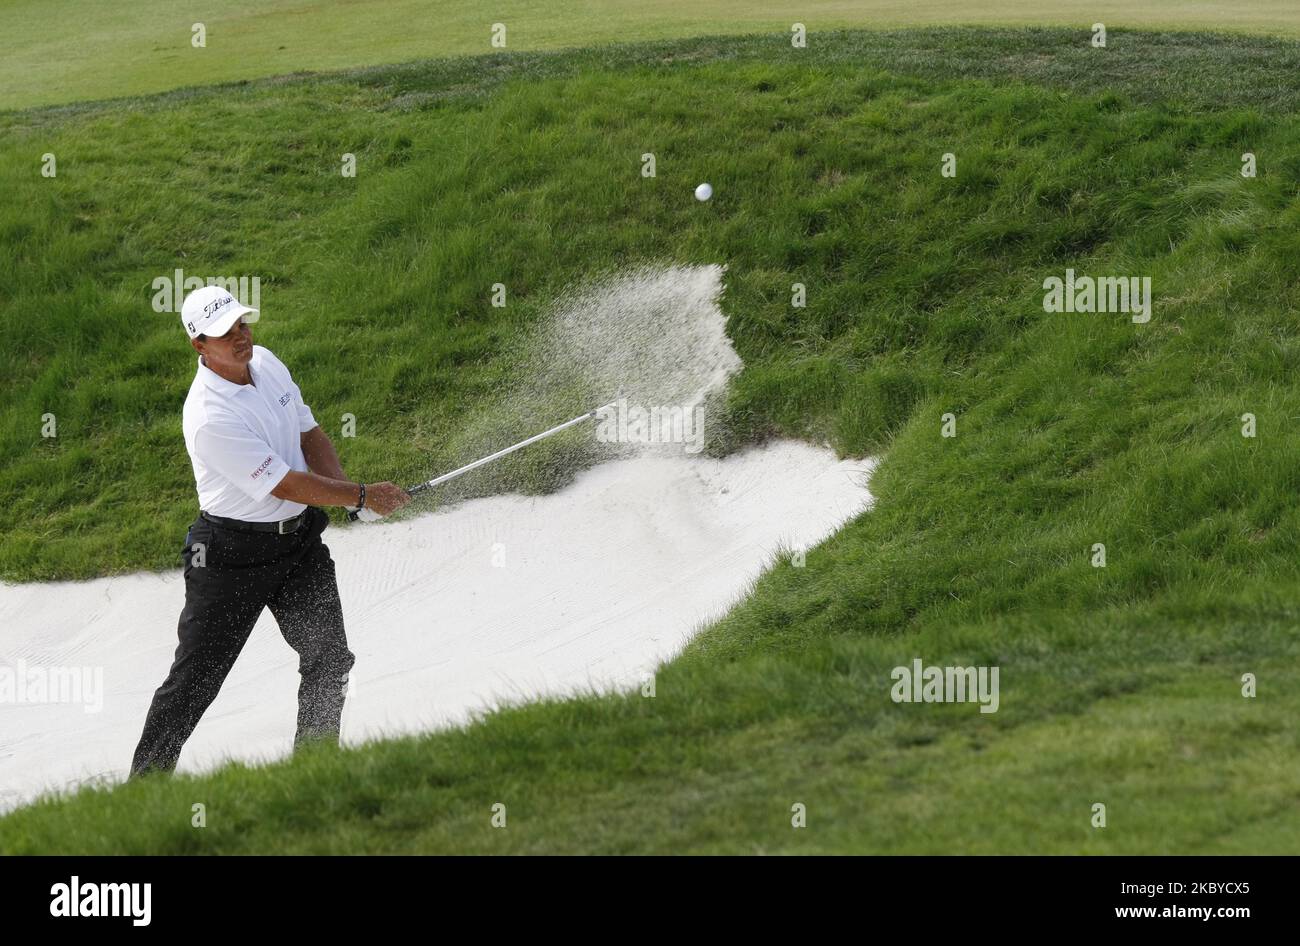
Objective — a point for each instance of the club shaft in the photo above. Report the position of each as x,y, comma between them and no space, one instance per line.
511,449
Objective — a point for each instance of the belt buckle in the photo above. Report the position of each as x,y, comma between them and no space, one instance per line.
296,520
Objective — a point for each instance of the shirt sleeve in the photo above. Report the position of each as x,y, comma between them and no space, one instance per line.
305,419
241,456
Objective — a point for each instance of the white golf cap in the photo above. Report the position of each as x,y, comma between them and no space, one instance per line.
212,310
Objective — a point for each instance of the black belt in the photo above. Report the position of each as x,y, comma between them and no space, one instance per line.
283,527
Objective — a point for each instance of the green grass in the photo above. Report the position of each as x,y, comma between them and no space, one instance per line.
1119,685
60,51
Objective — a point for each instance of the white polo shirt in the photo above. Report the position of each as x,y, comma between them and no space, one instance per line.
244,438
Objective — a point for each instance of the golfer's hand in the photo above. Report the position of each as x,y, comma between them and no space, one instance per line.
386,498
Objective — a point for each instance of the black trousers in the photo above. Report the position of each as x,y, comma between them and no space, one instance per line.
236,575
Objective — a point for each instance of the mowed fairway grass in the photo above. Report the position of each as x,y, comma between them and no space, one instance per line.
1120,685
62,51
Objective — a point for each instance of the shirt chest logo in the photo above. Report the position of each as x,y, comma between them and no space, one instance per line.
284,399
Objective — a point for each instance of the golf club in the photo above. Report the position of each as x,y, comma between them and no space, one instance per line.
353,516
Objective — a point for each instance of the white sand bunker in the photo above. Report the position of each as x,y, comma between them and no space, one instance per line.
496,600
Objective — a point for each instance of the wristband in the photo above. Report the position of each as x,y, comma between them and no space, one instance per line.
361,503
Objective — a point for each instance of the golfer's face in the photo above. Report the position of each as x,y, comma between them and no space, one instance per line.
235,347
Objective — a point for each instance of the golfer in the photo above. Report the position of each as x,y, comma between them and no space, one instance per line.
263,467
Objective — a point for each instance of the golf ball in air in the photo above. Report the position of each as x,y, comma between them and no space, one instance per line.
704,192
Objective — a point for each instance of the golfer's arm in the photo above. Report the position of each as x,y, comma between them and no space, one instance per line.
318,450
312,489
